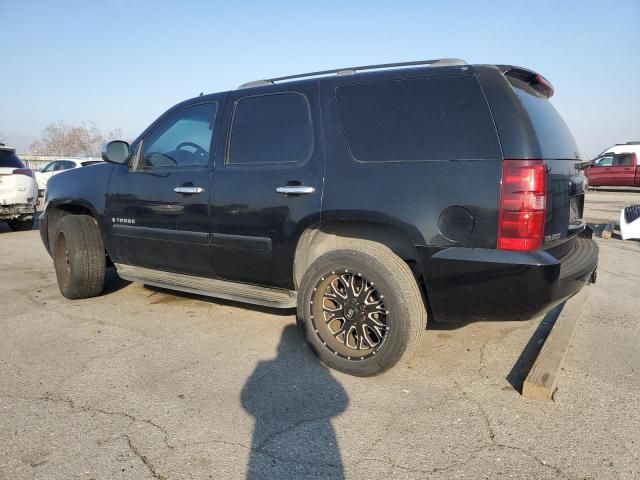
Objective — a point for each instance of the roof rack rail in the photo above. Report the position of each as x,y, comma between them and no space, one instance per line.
441,62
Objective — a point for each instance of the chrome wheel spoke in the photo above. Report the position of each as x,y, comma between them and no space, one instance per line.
356,320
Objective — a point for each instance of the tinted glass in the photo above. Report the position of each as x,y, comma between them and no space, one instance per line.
556,140
623,160
413,120
271,129
59,166
183,139
10,160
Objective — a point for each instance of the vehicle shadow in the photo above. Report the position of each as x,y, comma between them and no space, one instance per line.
285,312
293,398
616,190
113,282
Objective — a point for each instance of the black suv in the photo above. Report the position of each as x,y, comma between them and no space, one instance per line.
364,197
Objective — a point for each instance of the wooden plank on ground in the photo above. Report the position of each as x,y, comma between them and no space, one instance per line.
542,380
607,231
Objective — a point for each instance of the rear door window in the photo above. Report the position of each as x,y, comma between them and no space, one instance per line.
10,160
270,129
416,120
623,161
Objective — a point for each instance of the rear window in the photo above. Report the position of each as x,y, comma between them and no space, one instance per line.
10,160
415,120
555,138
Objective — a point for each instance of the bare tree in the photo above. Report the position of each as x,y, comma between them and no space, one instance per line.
82,140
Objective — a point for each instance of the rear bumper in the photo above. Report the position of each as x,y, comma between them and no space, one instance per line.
466,284
9,212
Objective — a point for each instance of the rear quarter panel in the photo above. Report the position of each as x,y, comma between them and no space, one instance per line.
411,195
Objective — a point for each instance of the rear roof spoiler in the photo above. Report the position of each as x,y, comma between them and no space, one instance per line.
534,79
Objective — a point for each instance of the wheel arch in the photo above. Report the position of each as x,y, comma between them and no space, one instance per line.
323,237
55,210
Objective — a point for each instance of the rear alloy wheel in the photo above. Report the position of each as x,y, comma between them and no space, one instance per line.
79,257
19,225
349,315
360,309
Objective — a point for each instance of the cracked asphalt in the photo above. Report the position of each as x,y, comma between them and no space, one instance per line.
144,383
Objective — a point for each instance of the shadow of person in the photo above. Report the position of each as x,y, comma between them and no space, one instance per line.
293,399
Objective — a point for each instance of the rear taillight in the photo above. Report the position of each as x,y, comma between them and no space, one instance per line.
23,171
523,198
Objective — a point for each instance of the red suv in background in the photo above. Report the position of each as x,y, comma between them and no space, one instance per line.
617,167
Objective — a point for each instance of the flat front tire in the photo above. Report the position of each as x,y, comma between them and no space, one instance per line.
360,309
79,257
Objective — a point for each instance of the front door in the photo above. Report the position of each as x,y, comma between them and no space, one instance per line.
600,172
268,187
158,209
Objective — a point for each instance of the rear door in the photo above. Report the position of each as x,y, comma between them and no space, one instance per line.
268,187
9,162
624,169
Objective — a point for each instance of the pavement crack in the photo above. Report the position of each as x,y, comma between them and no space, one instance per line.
144,459
291,427
86,408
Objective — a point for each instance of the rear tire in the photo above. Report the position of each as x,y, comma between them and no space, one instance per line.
18,225
79,257
360,309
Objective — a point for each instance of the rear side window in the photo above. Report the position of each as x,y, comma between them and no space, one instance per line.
623,161
10,160
268,129
555,138
413,120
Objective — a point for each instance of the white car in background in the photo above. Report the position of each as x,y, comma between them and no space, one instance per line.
18,191
60,165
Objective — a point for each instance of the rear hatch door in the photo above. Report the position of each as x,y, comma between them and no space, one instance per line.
9,162
565,182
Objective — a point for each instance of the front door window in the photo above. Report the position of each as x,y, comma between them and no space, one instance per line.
182,140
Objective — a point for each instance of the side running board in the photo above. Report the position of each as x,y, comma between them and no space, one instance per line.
240,292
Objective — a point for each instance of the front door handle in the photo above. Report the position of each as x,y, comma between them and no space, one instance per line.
188,190
296,190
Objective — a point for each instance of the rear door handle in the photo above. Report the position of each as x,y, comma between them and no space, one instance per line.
188,190
296,190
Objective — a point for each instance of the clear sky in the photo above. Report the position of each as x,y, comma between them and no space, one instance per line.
120,63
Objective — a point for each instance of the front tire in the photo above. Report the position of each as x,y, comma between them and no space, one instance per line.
79,257
360,309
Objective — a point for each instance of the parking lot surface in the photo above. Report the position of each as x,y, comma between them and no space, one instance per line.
145,383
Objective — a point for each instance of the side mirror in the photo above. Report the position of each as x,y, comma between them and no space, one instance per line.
116,151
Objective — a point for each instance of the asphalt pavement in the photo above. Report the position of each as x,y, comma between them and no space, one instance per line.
145,383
